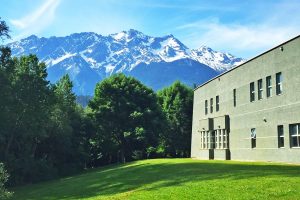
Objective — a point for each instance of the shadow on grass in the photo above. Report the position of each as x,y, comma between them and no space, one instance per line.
152,174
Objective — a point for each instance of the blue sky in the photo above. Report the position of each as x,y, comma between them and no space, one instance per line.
243,28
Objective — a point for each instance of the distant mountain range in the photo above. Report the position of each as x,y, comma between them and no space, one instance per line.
156,61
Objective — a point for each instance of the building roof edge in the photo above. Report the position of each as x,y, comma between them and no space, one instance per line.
253,58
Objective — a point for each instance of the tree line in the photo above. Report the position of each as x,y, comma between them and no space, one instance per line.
45,134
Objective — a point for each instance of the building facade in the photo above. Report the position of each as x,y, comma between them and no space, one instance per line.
251,112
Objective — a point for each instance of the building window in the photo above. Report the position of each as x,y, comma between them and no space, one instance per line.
260,89
220,139
269,86
252,92
220,143
225,139
278,83
295,135
204,141
211,105
234,97
206,107
216,138
213,140
280,136
253,138
217,103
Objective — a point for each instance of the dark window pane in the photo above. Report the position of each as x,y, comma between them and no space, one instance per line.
294,142
281,142
217,103
211,105
293,129
253,143
280,130
234,97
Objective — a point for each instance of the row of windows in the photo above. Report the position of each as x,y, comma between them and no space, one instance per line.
294,133
252,92
268,87
217,139
212,105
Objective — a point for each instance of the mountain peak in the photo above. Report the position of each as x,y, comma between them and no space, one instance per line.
134,31
31,37
87,54
127,35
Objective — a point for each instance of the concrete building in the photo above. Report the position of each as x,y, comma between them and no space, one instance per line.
251,112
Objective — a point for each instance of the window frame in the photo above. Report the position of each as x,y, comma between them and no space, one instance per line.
211,105
234,97
253,138
269,86
206,107
217,103
296,135
252,91
280,134
260,89
279,81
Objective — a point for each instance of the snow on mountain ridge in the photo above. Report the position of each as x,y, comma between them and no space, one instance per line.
89,57
125,50
216,60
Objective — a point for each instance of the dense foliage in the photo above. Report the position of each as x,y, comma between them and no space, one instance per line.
127,117
40,134
177,104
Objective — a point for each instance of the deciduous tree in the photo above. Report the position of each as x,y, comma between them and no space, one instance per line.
177,104
127,114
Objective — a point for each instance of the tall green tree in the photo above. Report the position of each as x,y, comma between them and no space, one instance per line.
6,71
177,104
29,114
64,147
6,100
127,116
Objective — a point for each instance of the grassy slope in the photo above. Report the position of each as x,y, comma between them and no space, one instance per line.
174,179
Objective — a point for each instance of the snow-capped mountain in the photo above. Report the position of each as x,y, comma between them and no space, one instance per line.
157,61
216,60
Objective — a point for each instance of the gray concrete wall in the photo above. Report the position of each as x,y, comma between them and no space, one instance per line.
264,115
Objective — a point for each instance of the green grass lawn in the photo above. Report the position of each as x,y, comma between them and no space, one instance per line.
174,179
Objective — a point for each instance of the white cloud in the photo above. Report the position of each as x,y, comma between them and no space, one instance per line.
244,39
36,21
